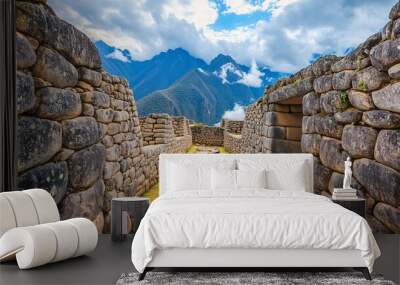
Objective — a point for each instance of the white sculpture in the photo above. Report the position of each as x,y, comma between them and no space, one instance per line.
347,174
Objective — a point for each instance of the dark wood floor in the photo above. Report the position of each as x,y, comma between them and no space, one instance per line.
110,260
103,266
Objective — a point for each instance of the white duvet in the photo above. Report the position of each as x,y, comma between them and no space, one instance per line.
253,218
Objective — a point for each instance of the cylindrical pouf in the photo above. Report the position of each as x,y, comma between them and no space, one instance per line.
87,235
67,240
52,242
34,246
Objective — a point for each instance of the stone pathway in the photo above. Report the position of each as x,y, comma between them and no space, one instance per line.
207,149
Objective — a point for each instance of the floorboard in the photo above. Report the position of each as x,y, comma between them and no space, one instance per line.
111,259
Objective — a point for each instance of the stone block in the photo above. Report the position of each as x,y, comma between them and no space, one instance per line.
332,155
87,203
283,119
110,168
333,102
87,110
296,108
41,23
381,182
54,68
120,116
38,140
104,115
388,98
113,153
311,104
80,132
394,71
282,146
96,98
90,76
310,143
385,54
349,116
323,84
293,133
276,132
395,11
342,80
322,175
24,52
308,124
359,141
25,91
387,148
278,108
113,128
381,119
58,104
327,126
296,89
52,177
369,79
389,216
86,166
361,100
323,64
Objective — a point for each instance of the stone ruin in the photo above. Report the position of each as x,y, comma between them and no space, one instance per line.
80,137
335,108
79,134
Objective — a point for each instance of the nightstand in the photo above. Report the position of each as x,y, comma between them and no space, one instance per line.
123,207
358,205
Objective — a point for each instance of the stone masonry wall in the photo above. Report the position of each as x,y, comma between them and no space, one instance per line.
152,152
181,126
207,135
351,107
78,131
157,129
232,142
234,127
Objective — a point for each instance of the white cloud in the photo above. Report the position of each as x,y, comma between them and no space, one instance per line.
117,54
201,13
241,7
225,69
253,78
237,114
286,41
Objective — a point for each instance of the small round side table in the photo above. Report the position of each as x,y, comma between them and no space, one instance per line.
136,207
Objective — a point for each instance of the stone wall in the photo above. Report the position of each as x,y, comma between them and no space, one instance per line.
79,133
234,127
152,152
157,129
351,107
181,126
253,129
232,142
207,135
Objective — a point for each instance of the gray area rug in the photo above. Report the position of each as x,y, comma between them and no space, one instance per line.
230,278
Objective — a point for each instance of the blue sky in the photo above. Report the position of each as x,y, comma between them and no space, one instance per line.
282,34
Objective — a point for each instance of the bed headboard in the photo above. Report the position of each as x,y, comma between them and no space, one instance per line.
165,158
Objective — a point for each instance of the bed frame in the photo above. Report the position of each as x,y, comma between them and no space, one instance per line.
242,259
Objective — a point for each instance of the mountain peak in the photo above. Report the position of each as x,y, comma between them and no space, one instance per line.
221,60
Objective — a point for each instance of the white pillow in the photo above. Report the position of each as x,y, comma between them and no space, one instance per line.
182,177
251,178
281,175
223,179
189,174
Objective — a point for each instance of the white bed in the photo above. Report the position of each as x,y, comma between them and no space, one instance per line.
248,227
